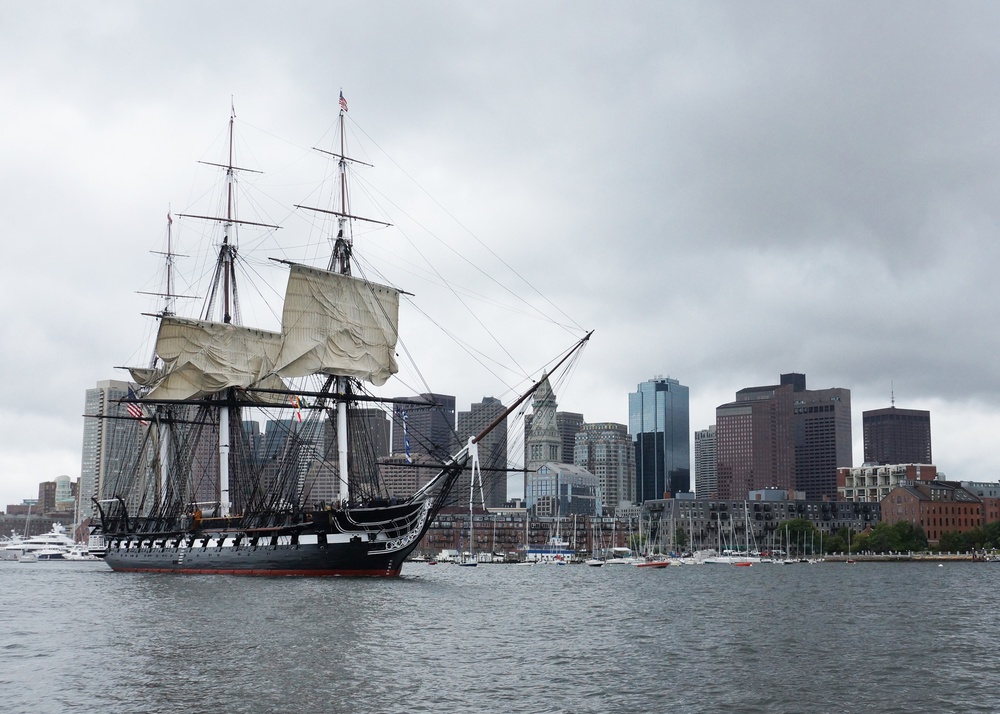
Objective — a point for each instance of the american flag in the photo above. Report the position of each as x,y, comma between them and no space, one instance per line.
135,410
343,102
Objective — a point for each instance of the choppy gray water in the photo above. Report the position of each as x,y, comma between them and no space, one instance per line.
910,637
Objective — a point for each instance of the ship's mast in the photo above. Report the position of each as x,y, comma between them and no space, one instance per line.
340,262
169,302
225,277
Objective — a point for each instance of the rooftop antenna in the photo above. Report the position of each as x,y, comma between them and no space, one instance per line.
892,394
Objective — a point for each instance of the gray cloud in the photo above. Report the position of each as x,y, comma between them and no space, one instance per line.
725,192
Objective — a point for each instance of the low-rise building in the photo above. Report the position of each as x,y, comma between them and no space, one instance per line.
722,524
872,482
556,489
937,507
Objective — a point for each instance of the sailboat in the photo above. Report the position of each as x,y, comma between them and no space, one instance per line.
190,495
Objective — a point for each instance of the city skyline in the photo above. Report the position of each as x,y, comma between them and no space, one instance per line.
453,408
722,192
432,421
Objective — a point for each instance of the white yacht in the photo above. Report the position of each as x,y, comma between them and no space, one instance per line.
47,546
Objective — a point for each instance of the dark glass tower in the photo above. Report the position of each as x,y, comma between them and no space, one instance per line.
429,430
658,415
897,436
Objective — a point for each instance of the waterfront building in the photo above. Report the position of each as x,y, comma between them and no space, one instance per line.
659,424
542,442
374,423
783,436
983,489
108,433
897,436
568,424
425,429
515,534
66,494
872,483
754,441
730,523
562,490
822,438
552,425
936,506
492,450
605,450
988,493
549,435
706,480
403,477
254,439
46,497
317,468
58,495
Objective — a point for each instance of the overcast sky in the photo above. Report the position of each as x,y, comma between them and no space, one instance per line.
722,191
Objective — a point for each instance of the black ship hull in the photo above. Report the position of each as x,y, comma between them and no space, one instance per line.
367,542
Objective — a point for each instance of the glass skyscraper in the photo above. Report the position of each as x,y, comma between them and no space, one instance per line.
660,427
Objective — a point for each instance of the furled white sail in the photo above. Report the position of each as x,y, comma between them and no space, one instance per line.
145,376
202,358
339,325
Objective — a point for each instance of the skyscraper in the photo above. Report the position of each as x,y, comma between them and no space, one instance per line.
492,450
659,424
755,448
418,429
107,431
605,450
706,482
822,439
783,436
897,436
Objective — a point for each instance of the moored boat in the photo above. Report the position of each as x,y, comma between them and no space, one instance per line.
52,545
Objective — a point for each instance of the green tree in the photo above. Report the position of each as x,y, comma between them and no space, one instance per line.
974,539
881,539
907,537
950,541
991,535
836,543
681,537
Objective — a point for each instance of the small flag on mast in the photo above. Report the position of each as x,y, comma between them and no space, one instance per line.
343,102
297,403
135,410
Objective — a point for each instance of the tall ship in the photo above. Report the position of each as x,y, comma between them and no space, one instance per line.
191,495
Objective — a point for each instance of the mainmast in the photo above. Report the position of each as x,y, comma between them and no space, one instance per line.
340,262
225,278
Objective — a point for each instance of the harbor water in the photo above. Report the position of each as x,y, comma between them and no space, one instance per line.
830,637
